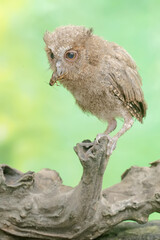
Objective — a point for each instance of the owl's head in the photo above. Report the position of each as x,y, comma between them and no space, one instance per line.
70,50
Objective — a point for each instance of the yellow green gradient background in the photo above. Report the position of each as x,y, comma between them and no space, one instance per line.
39,124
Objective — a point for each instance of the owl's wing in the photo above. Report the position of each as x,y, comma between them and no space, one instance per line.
126,82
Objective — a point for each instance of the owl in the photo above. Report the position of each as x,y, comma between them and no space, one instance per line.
101,75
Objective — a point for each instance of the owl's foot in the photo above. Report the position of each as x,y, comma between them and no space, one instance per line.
112,141
99,136
111,144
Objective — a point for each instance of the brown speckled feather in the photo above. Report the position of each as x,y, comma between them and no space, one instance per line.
125,81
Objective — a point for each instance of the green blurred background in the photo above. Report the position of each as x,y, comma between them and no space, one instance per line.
39,124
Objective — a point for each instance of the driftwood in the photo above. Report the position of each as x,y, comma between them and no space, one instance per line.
134,231
39,206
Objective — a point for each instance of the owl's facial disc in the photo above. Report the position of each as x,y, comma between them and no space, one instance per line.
70,56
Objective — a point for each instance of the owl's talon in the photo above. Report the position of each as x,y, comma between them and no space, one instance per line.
99,136
111,144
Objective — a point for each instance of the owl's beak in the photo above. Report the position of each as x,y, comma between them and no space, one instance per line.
60,70
58,74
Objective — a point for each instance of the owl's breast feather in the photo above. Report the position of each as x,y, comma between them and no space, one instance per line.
93,97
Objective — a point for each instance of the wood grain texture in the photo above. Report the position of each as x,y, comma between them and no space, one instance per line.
134,231
39,206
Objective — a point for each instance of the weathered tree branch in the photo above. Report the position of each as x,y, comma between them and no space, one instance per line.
38,206
134,231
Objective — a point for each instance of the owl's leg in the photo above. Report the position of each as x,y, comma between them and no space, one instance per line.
112,124
128,122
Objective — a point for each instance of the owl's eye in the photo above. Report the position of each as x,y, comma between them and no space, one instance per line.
52,55
71,55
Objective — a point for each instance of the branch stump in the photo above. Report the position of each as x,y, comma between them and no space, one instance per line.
39,206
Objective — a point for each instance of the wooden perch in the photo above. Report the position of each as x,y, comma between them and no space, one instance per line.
134,231
39,206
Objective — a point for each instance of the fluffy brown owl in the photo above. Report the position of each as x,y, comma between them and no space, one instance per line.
101,75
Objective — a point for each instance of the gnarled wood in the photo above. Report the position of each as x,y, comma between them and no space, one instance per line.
134,231
39,206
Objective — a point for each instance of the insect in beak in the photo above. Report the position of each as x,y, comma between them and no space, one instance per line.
54,79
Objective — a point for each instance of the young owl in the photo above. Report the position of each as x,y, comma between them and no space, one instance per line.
101,75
